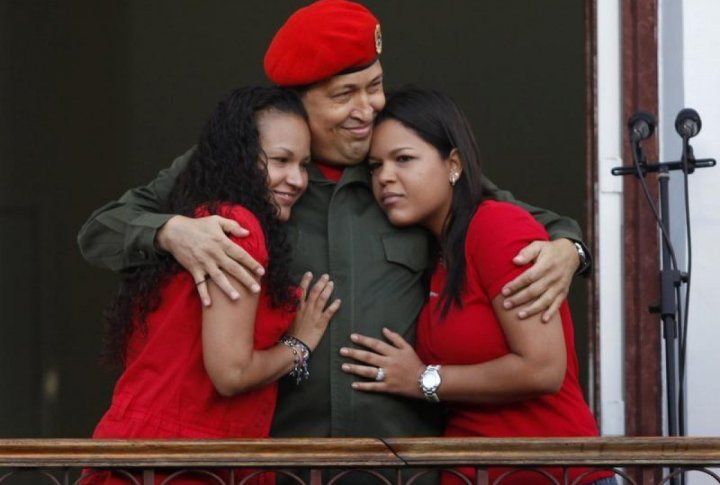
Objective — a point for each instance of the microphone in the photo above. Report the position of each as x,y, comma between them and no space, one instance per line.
687,123
641,126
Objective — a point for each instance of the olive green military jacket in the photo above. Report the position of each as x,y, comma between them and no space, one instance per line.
335,228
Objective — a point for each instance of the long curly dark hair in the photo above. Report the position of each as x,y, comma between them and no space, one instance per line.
223,169
435,118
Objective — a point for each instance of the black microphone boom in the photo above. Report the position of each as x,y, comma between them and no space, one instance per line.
641,126
688,123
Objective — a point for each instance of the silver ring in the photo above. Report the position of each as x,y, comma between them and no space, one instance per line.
380,376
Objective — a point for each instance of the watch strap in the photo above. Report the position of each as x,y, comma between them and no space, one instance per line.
584,255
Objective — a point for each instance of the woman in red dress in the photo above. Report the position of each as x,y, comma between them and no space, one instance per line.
500,376
196,371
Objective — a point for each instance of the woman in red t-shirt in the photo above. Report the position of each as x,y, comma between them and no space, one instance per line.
196,371
501,376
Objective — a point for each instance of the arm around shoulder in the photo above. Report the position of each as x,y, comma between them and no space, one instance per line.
556,225
121,234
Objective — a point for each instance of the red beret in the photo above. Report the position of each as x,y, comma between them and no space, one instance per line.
325,38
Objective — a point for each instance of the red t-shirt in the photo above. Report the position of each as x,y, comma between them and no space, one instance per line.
165,391
472,334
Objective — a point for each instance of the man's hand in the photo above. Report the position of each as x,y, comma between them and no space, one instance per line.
544,286
202,247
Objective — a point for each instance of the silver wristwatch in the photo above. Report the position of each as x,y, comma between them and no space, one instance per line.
584,258
430,381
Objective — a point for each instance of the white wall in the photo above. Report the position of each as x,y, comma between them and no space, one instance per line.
690,77
701,78
689,61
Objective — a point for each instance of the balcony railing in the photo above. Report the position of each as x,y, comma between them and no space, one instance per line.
333,461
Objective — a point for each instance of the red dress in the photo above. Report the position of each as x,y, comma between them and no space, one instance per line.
165,391
472,334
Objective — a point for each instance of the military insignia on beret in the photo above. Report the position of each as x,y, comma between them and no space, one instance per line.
378,39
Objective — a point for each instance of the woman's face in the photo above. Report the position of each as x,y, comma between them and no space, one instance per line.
285,140
410,179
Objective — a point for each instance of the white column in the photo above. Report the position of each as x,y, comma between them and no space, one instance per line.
609,258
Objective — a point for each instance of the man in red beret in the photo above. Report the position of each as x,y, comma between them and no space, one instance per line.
329,51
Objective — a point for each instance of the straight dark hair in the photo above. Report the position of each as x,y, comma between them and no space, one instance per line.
437,119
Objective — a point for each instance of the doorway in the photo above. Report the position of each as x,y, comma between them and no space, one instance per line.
96,97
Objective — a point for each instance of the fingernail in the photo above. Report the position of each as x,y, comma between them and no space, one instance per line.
354,385
354,336
206,302
343,351
507,304
235,295
255,288
260,271
506,291
345,367
522,314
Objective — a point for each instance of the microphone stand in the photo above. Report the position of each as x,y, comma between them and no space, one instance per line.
670,278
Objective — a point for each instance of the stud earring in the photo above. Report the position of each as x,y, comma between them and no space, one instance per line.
453,178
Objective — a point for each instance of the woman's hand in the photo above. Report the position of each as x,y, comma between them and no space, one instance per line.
400,365
229,355
312,316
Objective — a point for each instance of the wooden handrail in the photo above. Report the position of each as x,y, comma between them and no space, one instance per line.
618,451
362,452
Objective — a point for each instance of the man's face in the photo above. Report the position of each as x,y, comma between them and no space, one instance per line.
341,112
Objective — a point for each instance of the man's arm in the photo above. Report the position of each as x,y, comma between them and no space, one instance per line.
121,234
544,286
131,232
556,225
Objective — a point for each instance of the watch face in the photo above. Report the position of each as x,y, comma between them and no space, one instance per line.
431,379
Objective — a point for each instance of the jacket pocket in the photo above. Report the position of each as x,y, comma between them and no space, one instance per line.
407,248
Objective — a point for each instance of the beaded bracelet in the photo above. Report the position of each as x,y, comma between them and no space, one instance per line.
301,356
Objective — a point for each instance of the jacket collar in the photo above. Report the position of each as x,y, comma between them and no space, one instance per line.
355,173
